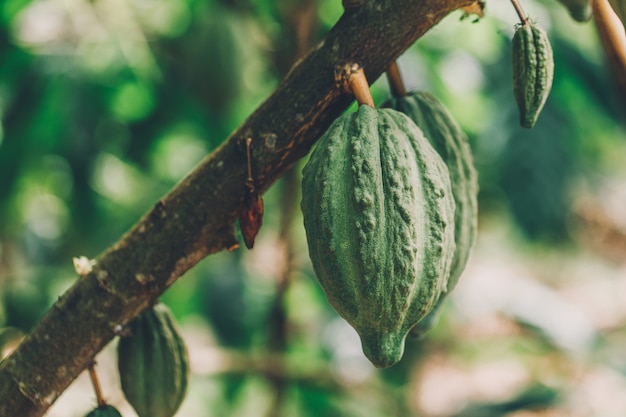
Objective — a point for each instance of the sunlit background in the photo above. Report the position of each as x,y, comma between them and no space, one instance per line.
106,104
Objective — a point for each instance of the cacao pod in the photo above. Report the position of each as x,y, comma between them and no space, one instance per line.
153,363
104,411
444,133
379,218
533,70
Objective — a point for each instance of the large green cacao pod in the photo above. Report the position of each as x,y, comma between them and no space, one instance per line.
379,218
153,363
533,71
451,143
104,411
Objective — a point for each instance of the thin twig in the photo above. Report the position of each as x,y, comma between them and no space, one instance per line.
360,88
613,38
396,84
352,78
93,375
249,180
520,12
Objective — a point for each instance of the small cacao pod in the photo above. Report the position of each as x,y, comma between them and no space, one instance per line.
379,218
444,133
533,70
153,363
104,411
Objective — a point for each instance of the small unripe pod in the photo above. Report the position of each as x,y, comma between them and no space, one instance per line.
533,71
153,363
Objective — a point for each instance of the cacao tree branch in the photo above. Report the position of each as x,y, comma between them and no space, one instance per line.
196,218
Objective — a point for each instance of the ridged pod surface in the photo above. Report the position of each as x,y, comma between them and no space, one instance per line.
153,363
379,218
105,411
533,71
451,143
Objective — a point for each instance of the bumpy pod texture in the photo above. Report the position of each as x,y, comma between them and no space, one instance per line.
153,364
444,133
105,411
451,143
379,218
533,71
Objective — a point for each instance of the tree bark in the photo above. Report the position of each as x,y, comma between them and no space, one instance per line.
196,218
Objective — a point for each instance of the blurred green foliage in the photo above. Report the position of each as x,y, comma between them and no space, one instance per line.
107,104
